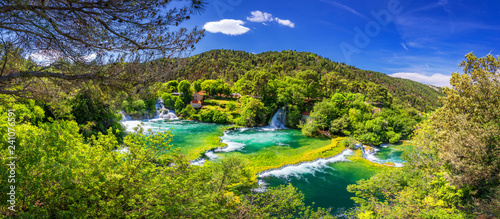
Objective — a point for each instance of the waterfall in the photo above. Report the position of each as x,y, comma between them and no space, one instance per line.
125,117
279,119
298,170
368,154
164,113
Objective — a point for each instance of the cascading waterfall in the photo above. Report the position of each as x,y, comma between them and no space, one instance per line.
370,155
164,113
300,169
125,117
279,119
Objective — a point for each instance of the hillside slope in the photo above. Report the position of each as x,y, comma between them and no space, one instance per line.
231,65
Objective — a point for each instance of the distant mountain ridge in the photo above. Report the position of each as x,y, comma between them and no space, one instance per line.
231,65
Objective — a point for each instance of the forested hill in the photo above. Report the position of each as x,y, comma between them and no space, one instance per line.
232,65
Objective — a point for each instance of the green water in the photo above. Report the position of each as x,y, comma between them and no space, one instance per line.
323,182
389,154
323,185
188,135
252,140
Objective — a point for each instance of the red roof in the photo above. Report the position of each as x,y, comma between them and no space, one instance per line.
306,113
202,92
195,101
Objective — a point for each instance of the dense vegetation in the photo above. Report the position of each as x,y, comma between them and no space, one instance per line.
373,118
73,176
454,170
70,158
76,168
347,114
232,66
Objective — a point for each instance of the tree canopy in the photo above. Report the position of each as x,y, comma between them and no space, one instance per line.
75,32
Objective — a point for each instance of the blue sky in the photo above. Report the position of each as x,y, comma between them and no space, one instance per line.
420,40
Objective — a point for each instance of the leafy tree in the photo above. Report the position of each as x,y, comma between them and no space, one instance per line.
253,112
169,100
188,111
231,106
179,104
73,32
173,85
220,87
205,85
453,171
197,86
207,115
469,128
254,82
94,116
220,117
311,79
185,88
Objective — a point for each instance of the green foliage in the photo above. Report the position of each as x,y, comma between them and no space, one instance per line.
185,88
254,71
139,106
405,193
453,171
231,106
253,112
347,115
468,130
311,79
254,82
219,88
349,142
293,115
215,116
207,115
173,85
169,100
188,112
205,85
179,104
92,179
95,117
197,86
220,117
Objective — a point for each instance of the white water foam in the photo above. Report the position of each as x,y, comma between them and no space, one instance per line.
279,120
231,146
211,155
163,113
306,167
197,162
125,117
131,124
370,155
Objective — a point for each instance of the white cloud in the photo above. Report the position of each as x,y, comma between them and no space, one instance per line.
404,46
285,22
258,16
227,26
439,80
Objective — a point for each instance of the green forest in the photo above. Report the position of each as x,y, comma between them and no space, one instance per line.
66,153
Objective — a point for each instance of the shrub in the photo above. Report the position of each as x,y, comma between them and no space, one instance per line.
231,106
